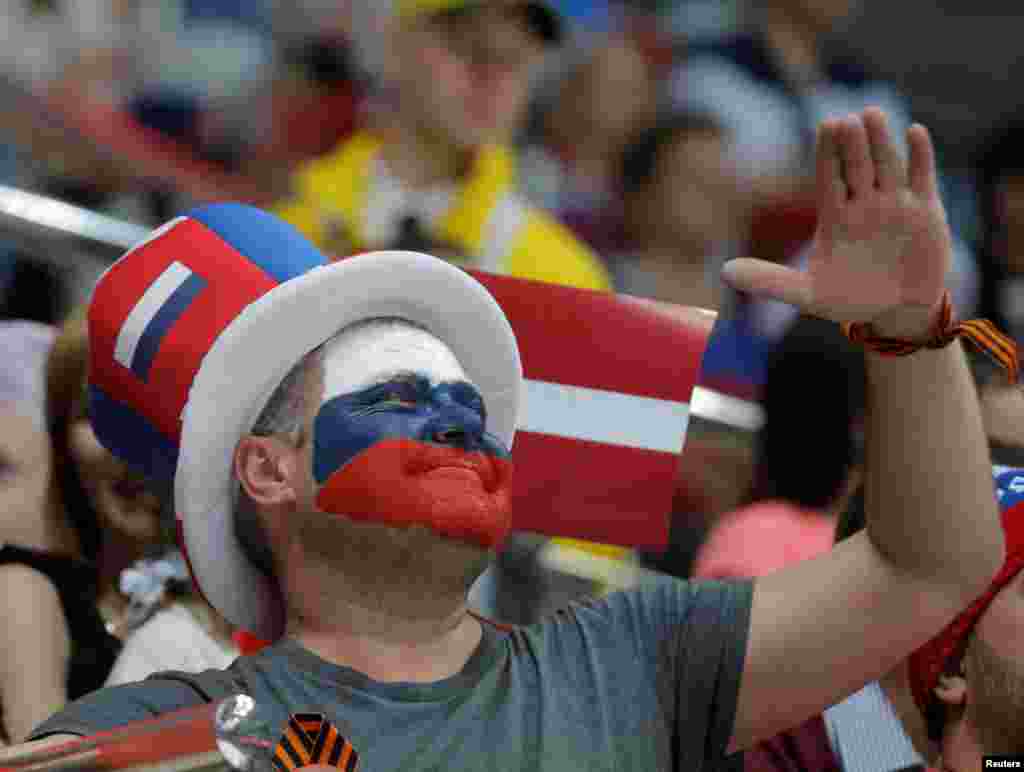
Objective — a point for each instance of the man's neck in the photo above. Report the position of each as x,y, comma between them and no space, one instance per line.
389,633
794,43
420,160
410,651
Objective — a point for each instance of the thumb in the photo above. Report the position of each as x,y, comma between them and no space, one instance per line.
768,280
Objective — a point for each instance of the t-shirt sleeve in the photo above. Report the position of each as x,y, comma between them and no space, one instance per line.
692,636
116,706
710,622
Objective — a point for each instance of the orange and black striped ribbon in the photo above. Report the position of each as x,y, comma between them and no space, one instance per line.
309,738
981,332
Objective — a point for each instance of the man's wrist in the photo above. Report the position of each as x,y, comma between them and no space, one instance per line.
915,324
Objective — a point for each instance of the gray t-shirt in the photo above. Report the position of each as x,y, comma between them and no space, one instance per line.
644,679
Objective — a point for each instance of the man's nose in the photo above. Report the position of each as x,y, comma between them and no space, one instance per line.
456,427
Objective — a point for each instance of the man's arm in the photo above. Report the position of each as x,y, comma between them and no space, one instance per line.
823,628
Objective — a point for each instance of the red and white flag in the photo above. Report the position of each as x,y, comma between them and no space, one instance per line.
608,384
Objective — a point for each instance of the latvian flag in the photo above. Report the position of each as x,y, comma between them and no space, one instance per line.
608,383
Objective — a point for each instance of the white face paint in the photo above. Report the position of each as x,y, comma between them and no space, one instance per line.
378,350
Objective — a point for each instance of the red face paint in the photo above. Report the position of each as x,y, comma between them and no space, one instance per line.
401,482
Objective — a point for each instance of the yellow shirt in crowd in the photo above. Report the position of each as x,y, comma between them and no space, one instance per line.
486,218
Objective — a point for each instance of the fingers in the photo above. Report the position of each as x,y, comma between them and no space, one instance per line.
768,280
832,188
890,171
923,177
858,165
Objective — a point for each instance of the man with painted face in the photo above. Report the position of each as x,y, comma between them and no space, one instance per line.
377,471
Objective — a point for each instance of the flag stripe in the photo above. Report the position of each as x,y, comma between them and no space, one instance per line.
152,300
159,325
603,341
606,417
618,495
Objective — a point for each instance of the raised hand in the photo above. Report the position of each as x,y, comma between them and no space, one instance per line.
883,247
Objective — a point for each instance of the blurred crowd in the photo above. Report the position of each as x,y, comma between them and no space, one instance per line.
614,146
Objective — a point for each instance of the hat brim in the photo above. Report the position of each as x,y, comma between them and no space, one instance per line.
256,351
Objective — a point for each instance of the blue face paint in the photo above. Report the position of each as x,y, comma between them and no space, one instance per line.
451,414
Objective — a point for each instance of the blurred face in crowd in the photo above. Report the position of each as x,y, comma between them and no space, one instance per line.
822,15
465,76
119,496
696,192
610,95
399,471
124,506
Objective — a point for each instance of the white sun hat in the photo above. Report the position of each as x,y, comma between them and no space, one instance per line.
192,330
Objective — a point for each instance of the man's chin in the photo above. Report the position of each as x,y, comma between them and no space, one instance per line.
370,550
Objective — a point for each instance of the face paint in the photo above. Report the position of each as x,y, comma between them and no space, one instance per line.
400,437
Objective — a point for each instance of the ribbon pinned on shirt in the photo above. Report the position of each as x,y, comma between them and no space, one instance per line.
310,738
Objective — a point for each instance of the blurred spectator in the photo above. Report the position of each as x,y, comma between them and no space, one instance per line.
200,84
952,701
24,448
64,549
880,727
775,80
969,680
684,212
62,558
81,45
173,628
317,99
1001,193
456,84
807,457
772,83
571,164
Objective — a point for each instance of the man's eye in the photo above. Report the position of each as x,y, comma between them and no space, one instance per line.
398,398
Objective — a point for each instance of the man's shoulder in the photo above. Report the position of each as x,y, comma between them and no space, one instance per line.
161,693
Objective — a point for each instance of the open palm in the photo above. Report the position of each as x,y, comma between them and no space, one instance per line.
882,245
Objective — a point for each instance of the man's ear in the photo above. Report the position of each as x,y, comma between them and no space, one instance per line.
266,469
952,690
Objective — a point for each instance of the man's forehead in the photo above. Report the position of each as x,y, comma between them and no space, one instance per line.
380,351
